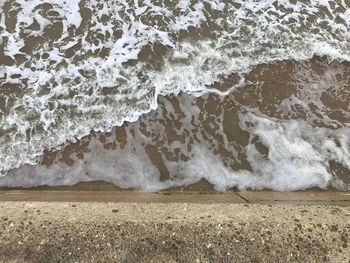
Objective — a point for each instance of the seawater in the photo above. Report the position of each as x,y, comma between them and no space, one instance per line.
155,94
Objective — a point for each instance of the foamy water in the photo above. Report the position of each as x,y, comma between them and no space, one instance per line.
68,68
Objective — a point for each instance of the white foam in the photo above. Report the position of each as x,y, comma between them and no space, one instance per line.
298,158
251,34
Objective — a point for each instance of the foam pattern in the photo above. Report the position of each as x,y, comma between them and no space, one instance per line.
69,67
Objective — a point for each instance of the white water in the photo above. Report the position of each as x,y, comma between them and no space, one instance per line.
68,92
298,159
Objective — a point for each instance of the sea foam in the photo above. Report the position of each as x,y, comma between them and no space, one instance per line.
71,67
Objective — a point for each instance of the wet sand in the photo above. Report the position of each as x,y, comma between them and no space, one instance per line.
301,103
174,196
136,227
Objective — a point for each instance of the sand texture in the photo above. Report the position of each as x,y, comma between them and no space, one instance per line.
172,232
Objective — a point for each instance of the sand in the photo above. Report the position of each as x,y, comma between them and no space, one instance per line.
190,228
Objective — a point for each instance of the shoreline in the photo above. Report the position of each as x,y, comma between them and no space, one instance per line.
171,196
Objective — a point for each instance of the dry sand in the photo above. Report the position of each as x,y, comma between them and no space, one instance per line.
171,227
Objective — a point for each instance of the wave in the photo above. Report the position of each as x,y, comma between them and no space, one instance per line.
70,67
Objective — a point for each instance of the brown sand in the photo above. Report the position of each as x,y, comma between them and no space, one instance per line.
44,226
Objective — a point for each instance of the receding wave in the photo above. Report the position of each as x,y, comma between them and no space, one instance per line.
70,67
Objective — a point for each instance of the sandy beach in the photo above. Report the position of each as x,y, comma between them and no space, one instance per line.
95,226
174,131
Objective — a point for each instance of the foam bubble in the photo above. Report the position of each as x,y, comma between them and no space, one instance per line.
82,66
298,158
209,137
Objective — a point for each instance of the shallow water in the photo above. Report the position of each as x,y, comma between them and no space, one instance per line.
242,94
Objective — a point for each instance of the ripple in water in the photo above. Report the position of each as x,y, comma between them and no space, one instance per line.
229,82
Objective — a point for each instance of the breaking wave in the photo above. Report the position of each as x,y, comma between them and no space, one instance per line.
72,67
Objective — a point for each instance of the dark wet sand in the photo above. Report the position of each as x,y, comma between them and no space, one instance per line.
173,196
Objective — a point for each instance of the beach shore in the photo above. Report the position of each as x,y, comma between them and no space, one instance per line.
126,226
